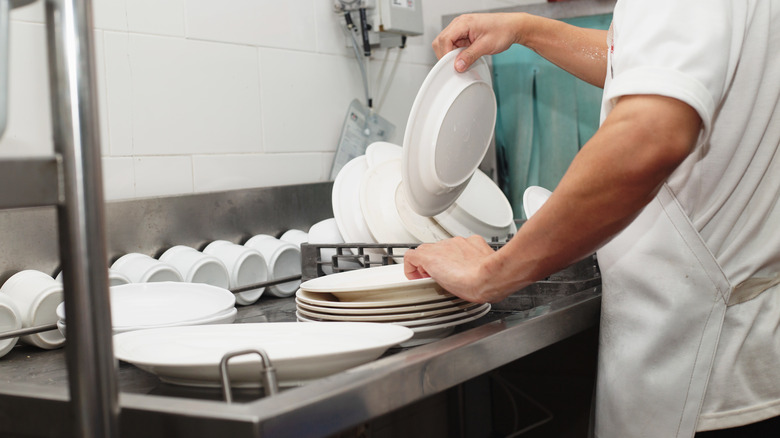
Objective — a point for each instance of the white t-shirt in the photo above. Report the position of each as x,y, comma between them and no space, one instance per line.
721,57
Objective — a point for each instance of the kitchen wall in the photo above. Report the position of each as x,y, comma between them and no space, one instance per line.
203,95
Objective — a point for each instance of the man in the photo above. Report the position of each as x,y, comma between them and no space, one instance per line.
678,191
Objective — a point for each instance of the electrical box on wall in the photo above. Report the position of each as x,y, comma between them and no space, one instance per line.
403,17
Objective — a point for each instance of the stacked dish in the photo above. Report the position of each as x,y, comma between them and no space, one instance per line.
384,295
430,189
137,306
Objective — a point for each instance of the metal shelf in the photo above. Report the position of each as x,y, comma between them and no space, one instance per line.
71,180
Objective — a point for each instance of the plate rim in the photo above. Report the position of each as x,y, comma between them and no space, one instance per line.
121,340
436,203
407,284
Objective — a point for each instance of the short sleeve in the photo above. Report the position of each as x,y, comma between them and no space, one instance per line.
673,48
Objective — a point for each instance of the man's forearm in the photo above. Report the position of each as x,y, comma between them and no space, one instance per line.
580,51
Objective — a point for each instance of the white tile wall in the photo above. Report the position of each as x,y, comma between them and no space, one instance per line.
202,95
118,178
28,132
162,175
227,172
263,23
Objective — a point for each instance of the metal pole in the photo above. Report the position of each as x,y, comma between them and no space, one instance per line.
92,368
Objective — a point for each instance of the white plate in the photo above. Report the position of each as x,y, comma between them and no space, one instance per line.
425,294
381,151
323,299
481,209
447,134
143,305
361,280
298,352
533,199
428,333
424,228
346,202
414,319
226,317
377,201
337,310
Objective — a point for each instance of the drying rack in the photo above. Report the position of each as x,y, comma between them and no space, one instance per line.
71,180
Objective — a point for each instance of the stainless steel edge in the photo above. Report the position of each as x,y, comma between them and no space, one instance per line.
90,359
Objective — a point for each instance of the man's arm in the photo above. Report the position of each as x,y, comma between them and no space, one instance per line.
610,180
582,52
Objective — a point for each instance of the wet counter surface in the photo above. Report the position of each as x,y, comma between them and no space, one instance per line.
33,380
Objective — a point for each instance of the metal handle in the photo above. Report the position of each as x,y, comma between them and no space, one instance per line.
27,331
270,385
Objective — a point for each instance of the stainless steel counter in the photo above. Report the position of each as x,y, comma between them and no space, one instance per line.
34,383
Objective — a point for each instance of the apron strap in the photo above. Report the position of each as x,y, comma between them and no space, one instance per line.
694,242
751,288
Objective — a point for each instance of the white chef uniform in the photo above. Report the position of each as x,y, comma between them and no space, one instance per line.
690,330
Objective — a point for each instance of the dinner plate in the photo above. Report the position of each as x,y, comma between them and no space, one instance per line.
323,299
298,352
436,305
427,333
370,279
448,132
345,198
424,228
226,317
414,319
481,209
533,199
381,151
427,294
143,305
377,201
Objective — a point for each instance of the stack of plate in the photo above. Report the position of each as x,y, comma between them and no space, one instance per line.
384,295
430,189
137,306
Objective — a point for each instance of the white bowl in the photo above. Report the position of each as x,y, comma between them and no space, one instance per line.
10,320
197,267
481,209
36,296
245,265
326,232
141,268
283,260
296,237
533,199
115,278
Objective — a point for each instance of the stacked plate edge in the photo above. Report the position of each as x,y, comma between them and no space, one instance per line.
384,295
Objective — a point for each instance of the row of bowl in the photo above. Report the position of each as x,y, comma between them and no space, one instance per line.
29,298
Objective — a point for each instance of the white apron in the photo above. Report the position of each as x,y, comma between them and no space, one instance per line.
663,304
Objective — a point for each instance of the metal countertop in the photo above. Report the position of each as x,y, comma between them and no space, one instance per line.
34,381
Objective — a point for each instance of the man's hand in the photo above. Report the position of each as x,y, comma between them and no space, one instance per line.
456,264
